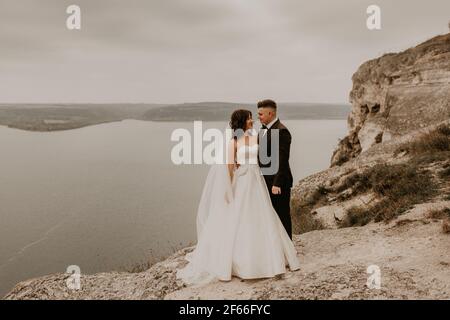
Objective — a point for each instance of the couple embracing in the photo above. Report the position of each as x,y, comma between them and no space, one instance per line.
243,221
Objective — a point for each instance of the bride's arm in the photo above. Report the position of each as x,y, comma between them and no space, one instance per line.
231,161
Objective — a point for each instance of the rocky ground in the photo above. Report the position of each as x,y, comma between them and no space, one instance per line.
411,253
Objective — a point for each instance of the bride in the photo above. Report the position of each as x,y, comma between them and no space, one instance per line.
238,231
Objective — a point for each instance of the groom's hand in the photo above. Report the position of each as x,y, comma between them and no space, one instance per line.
276,190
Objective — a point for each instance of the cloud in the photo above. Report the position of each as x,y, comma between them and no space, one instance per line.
178,50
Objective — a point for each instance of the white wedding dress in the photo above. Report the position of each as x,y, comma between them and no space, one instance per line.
243,237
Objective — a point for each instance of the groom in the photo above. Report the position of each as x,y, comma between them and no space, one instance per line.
279,182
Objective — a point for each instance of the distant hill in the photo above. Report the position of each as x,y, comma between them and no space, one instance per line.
217,111
52,117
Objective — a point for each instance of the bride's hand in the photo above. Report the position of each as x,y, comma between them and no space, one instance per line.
276,190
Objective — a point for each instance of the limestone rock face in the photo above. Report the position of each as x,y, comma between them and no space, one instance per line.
397,94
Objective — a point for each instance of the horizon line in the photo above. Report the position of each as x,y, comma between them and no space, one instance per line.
164,103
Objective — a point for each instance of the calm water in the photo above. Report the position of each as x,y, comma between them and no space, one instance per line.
107,197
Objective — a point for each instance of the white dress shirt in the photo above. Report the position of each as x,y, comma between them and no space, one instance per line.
270,125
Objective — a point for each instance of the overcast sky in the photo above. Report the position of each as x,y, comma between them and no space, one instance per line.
173,51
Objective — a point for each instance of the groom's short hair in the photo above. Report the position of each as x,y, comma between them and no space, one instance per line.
267,104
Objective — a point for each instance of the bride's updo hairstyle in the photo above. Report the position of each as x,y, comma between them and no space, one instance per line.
238,122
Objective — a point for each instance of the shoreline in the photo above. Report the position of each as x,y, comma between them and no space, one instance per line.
58,128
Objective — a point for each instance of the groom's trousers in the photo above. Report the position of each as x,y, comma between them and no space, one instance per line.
281,204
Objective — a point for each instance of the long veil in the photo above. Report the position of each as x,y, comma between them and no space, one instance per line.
217,192
215,205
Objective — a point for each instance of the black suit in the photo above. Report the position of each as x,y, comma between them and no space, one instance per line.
282,177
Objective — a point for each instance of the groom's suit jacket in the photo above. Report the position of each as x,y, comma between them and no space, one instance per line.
283,177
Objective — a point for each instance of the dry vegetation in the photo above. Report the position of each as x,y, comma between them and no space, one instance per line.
397,186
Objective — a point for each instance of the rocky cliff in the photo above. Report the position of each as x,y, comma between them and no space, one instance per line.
384,204
396,94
